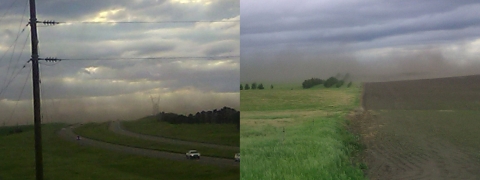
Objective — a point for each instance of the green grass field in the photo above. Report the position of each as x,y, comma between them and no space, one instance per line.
100,131
315,144
66,160
224,134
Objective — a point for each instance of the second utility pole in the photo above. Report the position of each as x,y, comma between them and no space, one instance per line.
36,94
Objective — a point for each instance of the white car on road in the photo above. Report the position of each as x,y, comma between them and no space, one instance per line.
193,154
237,157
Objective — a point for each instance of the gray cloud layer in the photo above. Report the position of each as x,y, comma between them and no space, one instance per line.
90,90
374,40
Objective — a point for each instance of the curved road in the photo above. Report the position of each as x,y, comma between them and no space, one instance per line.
68,134
116,128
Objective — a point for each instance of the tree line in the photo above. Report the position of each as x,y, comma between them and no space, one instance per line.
337,81
253,86
225,115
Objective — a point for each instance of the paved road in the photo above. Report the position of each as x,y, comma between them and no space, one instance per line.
117,128
68,134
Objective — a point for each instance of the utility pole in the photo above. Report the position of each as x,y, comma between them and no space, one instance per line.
36,94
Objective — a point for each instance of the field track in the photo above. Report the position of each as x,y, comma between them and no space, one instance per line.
422,129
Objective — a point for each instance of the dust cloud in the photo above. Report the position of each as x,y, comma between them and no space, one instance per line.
292,66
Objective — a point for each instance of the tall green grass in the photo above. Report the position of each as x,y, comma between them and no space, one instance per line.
292,133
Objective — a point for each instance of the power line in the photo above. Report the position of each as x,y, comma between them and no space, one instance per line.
52,59
19,32
21,53
18,99
11,80
48,22
15,41
13,75
49,113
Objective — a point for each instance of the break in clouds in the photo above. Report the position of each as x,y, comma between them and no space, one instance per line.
118,87
372,40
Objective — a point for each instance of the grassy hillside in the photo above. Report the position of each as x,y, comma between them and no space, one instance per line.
225,134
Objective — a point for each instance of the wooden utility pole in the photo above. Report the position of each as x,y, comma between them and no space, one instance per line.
36,94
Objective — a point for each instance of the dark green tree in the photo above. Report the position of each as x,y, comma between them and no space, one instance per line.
254,85
247,87
339,83
241,87
236,118
330,82
271,86
311,82
260,86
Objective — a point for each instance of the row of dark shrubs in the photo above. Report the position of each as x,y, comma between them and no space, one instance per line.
9,130
254,86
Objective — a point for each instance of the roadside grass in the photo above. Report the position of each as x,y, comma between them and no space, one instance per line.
295,133
67,160
100,131
224,134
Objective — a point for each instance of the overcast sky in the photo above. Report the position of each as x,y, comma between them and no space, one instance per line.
100,90
374,40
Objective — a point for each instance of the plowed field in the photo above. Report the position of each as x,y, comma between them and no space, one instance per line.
421,129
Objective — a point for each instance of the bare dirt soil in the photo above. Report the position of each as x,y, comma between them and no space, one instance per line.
422,129
455,93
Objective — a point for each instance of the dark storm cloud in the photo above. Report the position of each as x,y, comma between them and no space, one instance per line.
157,9
319,38
307,15
66,9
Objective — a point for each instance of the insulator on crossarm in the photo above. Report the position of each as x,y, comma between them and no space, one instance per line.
50,22
52,59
